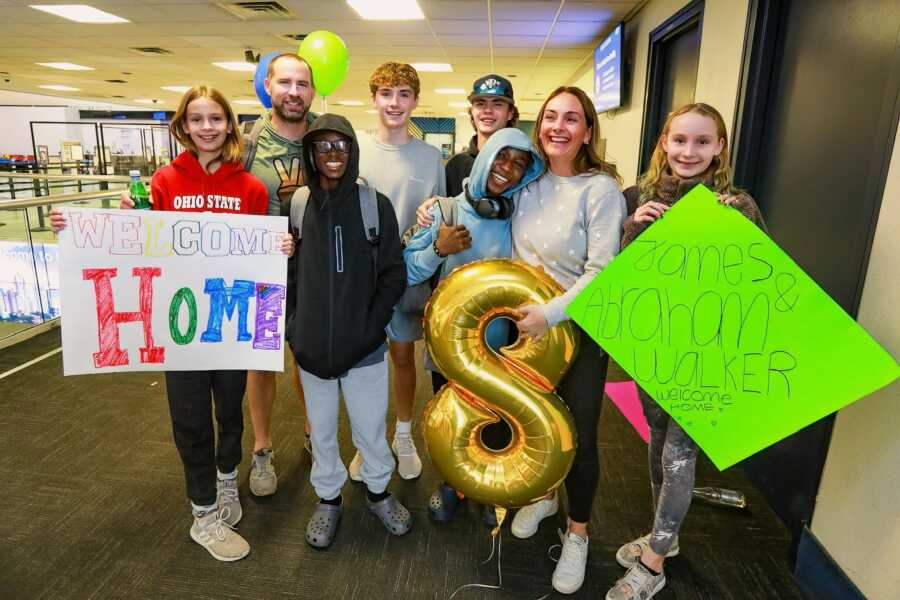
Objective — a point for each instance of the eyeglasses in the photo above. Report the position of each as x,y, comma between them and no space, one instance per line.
326,146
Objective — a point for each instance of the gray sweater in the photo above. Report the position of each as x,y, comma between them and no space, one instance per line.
571,226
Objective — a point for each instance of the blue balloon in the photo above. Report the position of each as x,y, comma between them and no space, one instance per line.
259,79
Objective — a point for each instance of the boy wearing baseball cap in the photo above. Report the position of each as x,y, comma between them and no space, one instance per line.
493,107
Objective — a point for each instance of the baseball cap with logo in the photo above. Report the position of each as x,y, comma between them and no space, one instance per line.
492,85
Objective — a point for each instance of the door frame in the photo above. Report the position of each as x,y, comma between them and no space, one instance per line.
689,16
761,51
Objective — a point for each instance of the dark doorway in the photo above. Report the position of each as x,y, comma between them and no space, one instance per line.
672,73
817,121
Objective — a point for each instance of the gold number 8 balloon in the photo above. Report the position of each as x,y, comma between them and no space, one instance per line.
515,384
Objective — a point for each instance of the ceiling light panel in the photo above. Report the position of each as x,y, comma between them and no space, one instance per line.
395,10
236,66
60,88
80,13
64,66
433,67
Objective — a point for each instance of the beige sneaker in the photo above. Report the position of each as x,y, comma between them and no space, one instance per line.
263,481
211,532
525,523
409,465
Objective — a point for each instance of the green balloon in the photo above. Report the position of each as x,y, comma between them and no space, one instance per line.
326,54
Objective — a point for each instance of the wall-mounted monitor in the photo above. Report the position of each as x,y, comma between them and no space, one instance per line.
608,72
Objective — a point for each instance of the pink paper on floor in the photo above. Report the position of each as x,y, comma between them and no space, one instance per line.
624,395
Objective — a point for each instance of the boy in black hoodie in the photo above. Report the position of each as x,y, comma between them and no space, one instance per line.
345,296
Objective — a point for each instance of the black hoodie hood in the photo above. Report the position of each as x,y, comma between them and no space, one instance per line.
330,122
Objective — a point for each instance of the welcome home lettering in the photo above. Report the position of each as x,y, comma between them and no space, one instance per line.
148,235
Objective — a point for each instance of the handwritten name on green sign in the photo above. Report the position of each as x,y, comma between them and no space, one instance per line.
726,332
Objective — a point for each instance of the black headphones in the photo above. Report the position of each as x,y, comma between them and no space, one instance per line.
491,207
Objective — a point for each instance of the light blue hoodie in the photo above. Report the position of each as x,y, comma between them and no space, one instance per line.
491,238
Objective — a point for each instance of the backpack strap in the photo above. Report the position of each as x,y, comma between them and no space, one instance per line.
250,142
447,207
298,202
368,206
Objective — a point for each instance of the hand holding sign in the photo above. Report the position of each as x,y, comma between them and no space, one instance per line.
726,332
159,290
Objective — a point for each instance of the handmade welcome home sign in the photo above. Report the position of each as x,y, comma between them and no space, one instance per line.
726,332
155,291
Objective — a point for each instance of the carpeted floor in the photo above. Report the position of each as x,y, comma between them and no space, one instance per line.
94,503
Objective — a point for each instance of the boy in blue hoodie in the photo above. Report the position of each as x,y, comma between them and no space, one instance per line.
481,229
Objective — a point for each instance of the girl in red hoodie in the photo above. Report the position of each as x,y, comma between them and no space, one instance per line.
207,177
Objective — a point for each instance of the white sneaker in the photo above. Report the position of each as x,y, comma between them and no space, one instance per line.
408,463
228,501
569,573
211,532
263,481
525,523
355,466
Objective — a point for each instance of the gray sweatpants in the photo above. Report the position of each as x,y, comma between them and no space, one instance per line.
365,392
673,459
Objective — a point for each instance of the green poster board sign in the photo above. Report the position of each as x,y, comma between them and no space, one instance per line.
726,332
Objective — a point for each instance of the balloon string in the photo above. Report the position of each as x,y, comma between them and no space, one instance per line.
324,105
496,543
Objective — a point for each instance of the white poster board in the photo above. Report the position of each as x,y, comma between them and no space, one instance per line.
156,291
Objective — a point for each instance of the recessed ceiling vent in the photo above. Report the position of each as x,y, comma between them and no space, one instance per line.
115,81
152,51
262,10
291,37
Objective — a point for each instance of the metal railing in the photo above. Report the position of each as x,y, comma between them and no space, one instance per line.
29,281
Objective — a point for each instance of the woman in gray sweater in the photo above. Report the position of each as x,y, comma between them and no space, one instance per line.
569,222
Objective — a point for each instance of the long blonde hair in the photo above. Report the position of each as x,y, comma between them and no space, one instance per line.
588,157
234,142
721,179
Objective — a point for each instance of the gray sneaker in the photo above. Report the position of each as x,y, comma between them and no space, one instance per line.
228,501
263,481
637,584
394,515
629,554
211,532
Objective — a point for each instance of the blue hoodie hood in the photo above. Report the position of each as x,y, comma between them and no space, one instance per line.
508,137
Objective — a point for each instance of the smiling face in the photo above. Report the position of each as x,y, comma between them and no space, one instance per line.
331,151
507,170
395,105
290,87
564,129
207,125
691,144
490,113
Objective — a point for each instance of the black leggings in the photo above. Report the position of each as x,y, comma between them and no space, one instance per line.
582,391
191,394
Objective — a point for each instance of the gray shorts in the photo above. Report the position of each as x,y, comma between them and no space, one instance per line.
404,327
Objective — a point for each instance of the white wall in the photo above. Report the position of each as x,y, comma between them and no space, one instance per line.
857,515
17,110
718,72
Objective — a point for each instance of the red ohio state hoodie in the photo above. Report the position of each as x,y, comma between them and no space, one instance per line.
185,186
